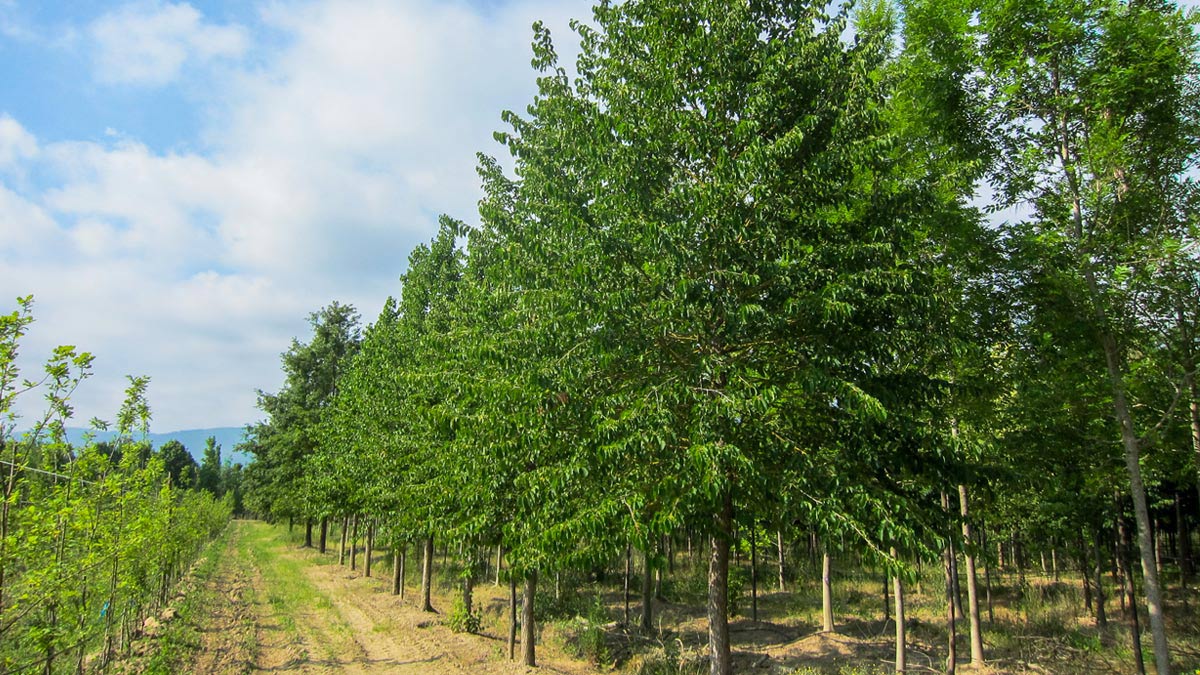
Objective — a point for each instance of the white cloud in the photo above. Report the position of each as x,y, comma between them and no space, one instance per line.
323,166
15,142
148,43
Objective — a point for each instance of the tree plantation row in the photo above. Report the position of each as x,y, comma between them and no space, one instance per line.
918,278
92,539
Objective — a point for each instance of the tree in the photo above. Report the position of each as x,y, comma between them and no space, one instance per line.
284,442
208,476
179,464
713,216
1093,109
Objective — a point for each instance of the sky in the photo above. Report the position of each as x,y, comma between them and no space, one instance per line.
183,183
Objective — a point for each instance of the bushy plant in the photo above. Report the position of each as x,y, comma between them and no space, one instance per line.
460,620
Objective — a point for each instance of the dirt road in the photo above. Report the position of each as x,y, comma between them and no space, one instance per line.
279,608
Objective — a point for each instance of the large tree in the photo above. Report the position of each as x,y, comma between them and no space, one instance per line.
283,443
714,212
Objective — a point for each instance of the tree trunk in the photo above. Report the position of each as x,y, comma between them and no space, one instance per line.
1135,630
887,597
1158,629
1101,618
308,528
354,545
972,587
1182,554
527,626
512,617
826,593
753,573
324,533
952,633
370,548
901,647
1083,565
658,570
721,659
647,593
342,550
427,575
499,561
398,571
468,591
628,574
779,548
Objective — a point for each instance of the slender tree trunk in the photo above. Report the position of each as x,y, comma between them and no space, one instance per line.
308,529
901,646
370,548
342,550
972,588
528,634
987,576
628,575
887,597
721,662
499,561
1135,630
647,593
658,571
427,575
398,570
1083,565
826,593
952,633
468,590
1182,554
512,617
779,549
354,545
1101,617
324,533
753,573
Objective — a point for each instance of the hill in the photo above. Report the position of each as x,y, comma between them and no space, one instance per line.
192,439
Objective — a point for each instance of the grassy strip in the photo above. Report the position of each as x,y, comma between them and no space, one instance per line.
287,588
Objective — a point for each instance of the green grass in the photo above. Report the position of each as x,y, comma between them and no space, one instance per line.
180,638
288,589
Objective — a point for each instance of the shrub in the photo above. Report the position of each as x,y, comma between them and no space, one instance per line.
460,620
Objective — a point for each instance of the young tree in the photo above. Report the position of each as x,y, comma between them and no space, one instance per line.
209,473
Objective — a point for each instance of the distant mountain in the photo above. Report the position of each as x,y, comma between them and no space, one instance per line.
193,439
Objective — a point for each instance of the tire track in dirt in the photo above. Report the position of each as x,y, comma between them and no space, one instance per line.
226,630
351,624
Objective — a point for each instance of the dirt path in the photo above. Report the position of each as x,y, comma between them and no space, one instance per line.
286,610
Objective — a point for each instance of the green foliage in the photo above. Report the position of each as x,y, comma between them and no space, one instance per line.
460,620
209,473
91,539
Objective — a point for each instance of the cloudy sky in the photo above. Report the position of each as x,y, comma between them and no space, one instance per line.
181,184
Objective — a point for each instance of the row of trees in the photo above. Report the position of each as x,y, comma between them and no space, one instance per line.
885,274
92,539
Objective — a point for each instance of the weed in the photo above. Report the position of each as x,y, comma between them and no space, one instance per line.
460,620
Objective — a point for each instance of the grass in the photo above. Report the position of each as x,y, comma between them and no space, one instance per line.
289,593
1038,623
180,637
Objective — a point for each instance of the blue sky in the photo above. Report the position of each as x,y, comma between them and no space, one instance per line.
182,183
